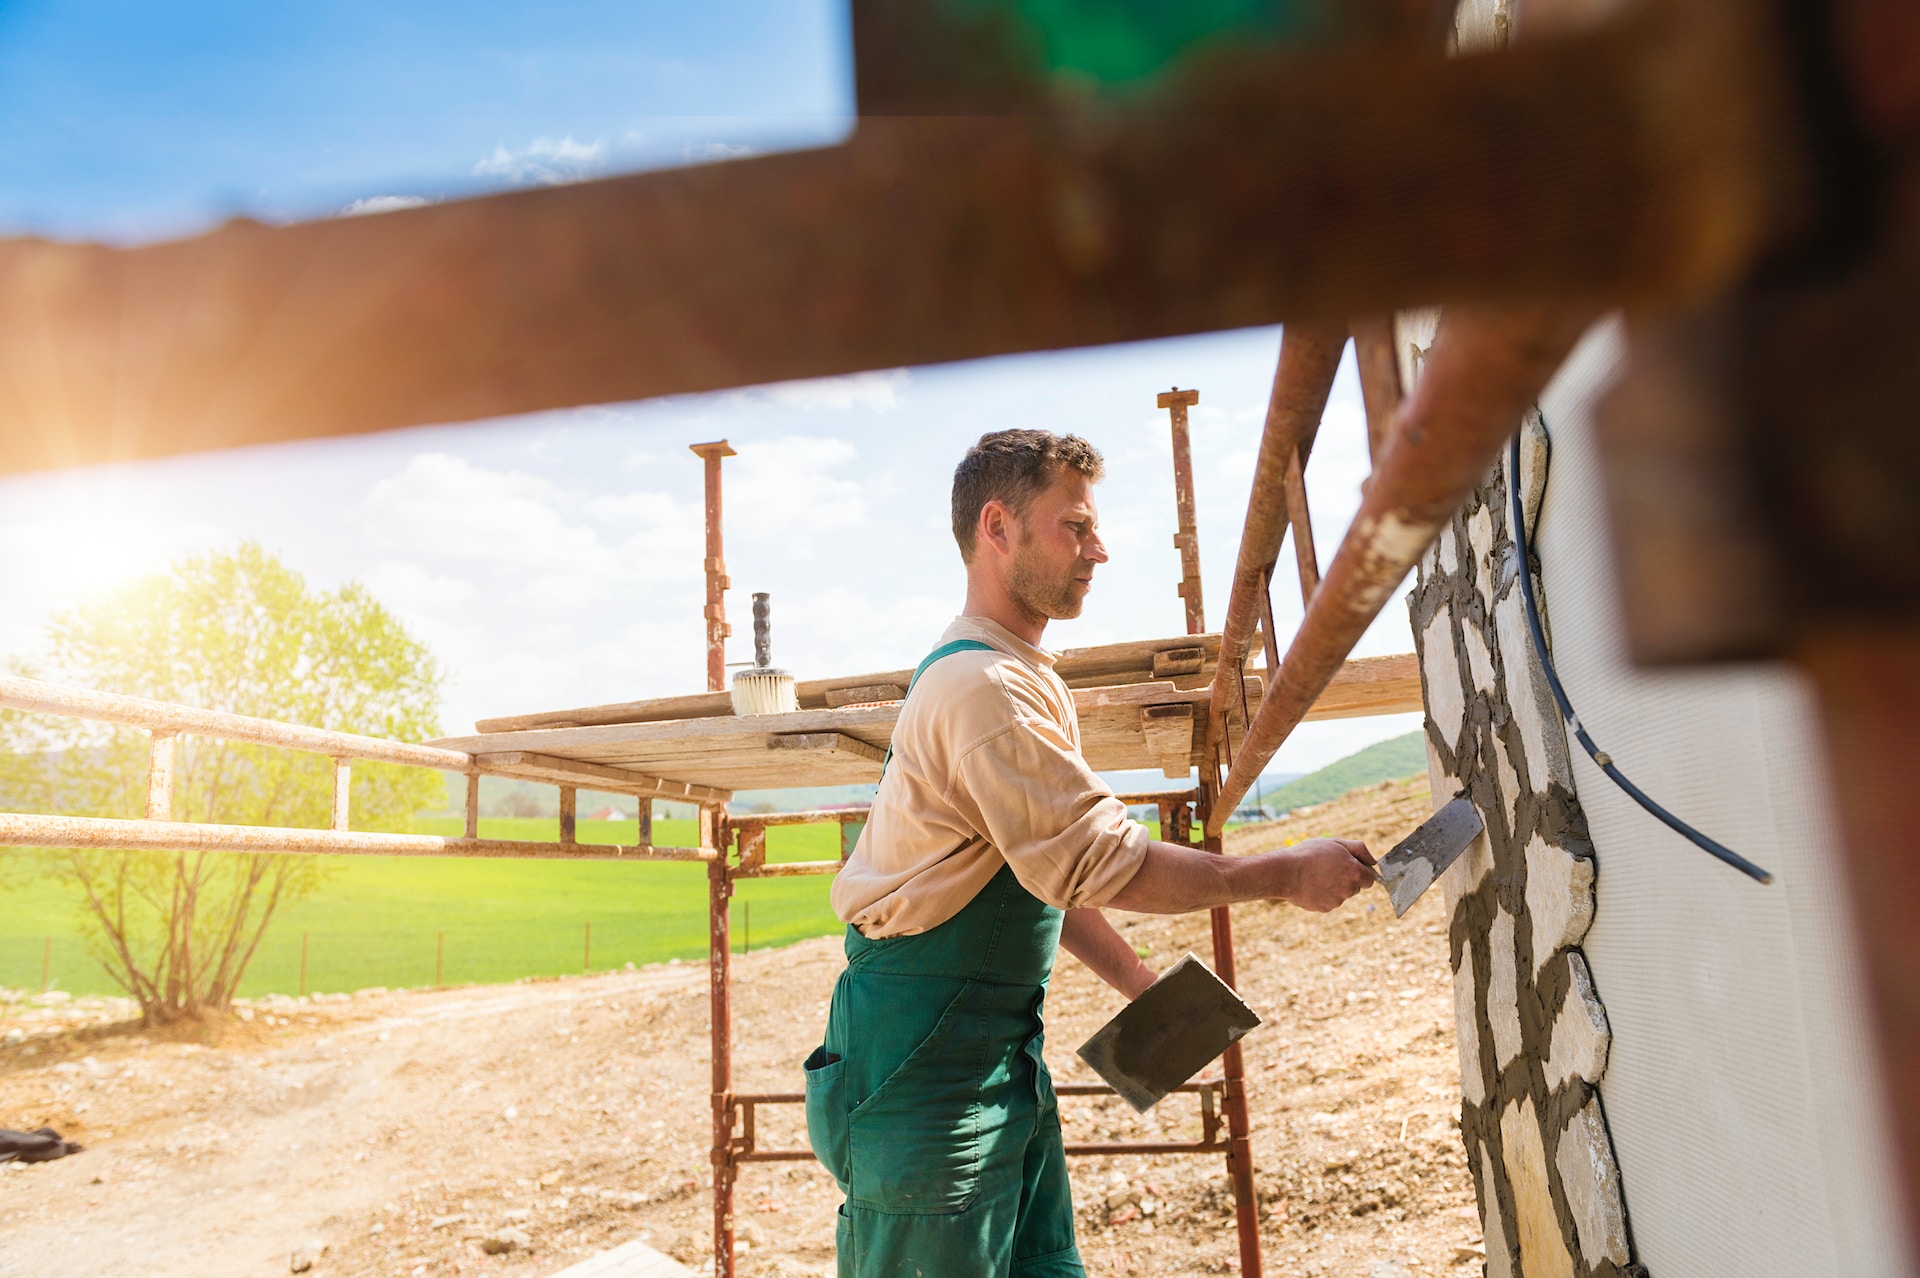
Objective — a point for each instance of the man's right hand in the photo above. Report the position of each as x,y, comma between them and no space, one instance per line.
1315,875
1325,872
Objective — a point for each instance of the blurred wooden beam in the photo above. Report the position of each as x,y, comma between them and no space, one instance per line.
1311,187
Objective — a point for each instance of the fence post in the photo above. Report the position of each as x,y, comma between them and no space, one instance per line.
160,776
303,965
342,791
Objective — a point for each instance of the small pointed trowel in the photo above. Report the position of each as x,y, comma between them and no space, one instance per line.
1420,858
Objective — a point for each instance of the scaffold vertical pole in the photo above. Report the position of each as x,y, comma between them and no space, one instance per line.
1246,1208
1380,389
713,834
716,567
1186,536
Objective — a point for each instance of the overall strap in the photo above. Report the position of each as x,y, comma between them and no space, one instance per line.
944,650
947,650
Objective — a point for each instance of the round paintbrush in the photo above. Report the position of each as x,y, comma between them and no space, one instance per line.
762,689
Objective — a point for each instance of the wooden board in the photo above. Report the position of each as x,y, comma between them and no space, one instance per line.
832,743
732,753
1168,731
1104,665
729,752
593,776
1372,685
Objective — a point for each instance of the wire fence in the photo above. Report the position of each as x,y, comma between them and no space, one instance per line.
310,962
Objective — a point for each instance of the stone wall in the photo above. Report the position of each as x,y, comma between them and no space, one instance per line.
1532,1030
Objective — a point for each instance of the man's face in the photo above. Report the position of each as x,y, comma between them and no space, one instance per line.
1057,545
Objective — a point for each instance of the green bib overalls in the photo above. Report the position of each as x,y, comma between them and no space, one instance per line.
931,1106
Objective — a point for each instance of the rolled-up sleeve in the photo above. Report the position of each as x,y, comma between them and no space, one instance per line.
1068,839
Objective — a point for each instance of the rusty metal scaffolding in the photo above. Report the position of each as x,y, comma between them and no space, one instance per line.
735,848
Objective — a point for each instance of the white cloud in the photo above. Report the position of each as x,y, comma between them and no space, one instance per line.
417,588
383,204
533,538
788,493
706,152
545,162
875,392
535,592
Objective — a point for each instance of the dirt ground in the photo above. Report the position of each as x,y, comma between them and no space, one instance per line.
400,1128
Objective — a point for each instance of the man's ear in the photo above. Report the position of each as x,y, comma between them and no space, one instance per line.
995,528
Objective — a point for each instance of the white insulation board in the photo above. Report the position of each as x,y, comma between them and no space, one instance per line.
1744,1105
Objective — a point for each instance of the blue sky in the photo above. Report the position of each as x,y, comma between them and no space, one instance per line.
132,120
555,560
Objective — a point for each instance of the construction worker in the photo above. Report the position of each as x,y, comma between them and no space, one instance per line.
991,842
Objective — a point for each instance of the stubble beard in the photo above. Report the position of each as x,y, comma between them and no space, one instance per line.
1040,593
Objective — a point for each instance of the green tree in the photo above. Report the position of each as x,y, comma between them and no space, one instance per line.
239,632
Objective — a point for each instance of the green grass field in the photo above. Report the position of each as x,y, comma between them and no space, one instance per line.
376,921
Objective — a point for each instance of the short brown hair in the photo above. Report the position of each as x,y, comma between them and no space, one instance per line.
1011,467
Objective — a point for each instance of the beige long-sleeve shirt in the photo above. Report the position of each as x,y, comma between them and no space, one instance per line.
986,772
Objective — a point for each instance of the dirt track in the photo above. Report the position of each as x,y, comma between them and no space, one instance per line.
398,1128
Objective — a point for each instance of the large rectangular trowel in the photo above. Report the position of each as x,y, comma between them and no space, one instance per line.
1167,1035
1410,868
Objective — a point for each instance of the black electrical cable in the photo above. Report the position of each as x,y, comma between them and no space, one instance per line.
1517,517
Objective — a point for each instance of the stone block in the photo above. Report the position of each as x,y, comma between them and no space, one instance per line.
1480,541
1534,449
1559,899
1466,1030
1543,1252
1469,869
1591,1180
1503,996
1581,1036
1508,779
1493,1223
1479,660
1441,784
1480,534
1440,672
1542,735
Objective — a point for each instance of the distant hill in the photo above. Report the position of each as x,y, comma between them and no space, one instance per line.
801,798
1148,780
1386,761
506,797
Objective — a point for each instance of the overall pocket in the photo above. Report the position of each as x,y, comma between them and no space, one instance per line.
915,1143
827,1111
